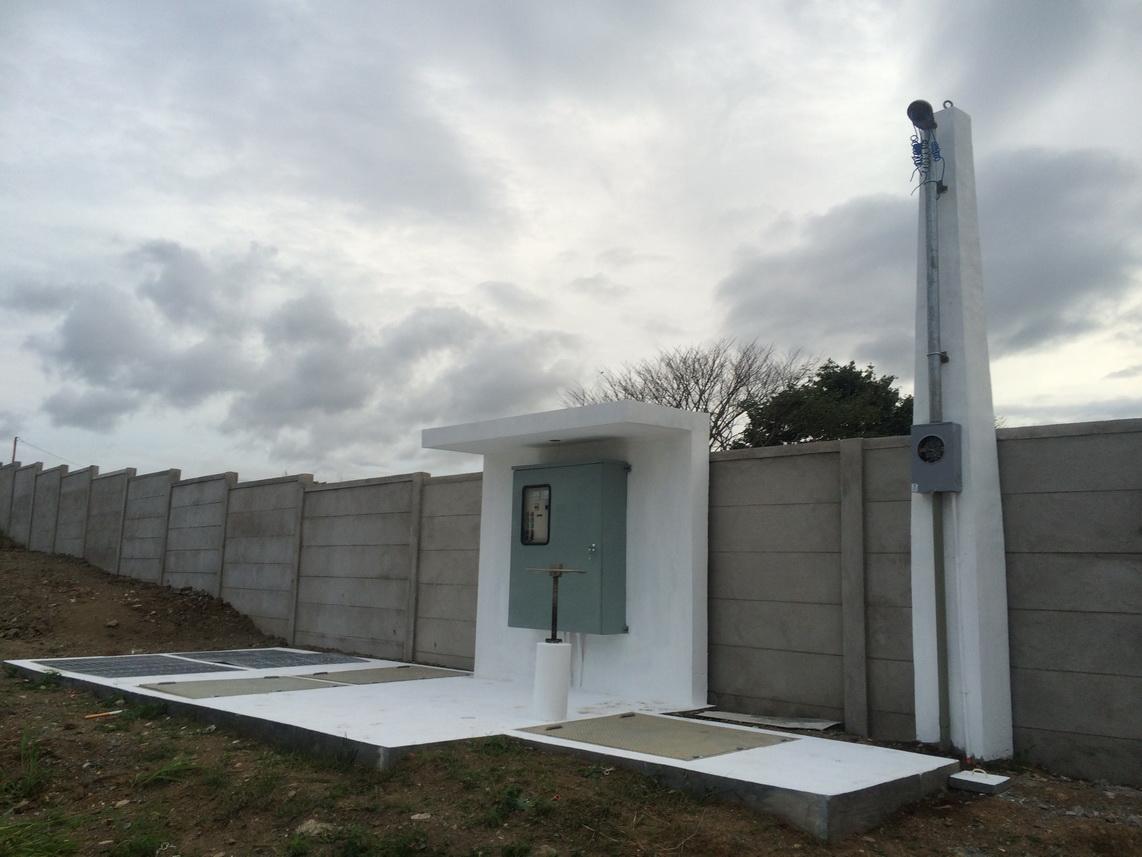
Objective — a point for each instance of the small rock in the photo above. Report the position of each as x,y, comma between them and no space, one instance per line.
114,623
106,843
313,827
546,851
421,816
119,804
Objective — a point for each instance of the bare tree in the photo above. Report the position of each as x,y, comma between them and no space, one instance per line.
722,378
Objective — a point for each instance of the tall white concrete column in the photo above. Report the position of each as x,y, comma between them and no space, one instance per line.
979,677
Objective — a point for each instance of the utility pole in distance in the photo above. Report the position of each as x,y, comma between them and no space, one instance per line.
15,440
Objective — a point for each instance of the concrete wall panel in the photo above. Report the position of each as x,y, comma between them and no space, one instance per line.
807,527
145,525
355,566
1093,757
71,525
1108,643
45,509
887,472
1070,463
448,566
775,480
196,532
382,561
457,495
813,578
776,625
1099,583
7,478
105,519
456,532
361,529
1080,703
1079,522
262,551
802,680
890,686
23,501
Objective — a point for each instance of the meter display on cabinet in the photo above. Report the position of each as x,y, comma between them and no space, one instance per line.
572,516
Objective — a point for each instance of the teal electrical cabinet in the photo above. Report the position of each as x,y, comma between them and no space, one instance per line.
573,515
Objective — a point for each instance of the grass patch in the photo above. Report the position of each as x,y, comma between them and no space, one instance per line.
144,711
178,768
31,779
258,792
38,838
510,801
48,681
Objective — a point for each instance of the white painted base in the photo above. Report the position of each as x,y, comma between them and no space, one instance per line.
552,681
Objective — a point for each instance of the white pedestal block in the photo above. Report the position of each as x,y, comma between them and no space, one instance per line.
552,679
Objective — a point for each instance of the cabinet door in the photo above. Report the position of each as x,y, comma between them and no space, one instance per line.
558,520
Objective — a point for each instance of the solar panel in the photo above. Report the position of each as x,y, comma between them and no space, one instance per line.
271,658
130,666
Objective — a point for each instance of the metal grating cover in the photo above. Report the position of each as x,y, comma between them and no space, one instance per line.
269,659
130,666
671,737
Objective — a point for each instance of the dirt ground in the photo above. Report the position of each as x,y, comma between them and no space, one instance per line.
142,783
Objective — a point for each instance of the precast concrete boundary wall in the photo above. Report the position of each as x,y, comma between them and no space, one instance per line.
23,503
357,566
196,532
809,589
71,523
145,525
45,509
7,481
263,546
448,569
1072,513
106,504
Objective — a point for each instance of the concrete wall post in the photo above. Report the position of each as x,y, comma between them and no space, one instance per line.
414,528
853,606
7,483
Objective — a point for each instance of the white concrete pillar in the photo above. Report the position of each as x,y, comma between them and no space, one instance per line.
979,676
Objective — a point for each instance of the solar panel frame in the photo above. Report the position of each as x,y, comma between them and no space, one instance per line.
131,666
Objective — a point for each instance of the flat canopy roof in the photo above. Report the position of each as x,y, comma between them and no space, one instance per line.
568,425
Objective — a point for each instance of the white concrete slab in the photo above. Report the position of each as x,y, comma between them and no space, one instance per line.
829,788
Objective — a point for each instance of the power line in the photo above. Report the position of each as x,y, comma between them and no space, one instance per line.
44,451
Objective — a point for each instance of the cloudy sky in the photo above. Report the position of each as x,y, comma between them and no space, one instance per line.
286,236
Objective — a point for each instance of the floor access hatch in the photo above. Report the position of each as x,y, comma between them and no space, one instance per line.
381,675
671,737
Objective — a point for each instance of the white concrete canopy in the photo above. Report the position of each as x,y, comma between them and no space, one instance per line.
663,657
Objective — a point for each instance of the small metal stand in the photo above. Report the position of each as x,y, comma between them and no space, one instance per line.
556,570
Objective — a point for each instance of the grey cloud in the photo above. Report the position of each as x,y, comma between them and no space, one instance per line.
1059,248
1044,412
625,257
509,297
1134,371
848,284
1059,241
599,286
1002,57
95,410
37,297
240,100
309,318
10,423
